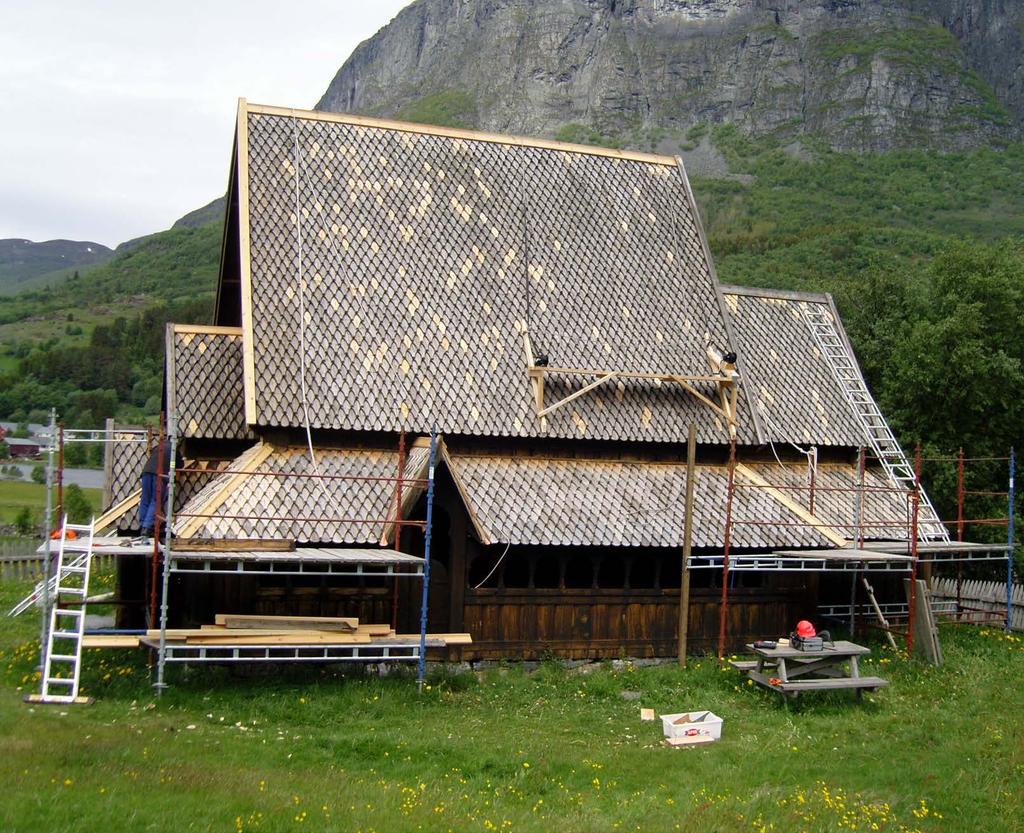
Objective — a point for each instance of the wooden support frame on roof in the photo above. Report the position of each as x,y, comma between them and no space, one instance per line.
727,381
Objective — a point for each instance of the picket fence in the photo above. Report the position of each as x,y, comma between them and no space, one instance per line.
984,595
19,560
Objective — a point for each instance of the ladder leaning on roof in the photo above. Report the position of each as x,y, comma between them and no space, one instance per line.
63,648
880,436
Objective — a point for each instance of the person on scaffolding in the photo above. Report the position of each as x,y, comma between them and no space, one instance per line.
150,503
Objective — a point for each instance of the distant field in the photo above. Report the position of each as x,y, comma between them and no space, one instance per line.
17,494
503,750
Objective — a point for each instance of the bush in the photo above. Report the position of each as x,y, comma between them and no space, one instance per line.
25,522
76,505
39,474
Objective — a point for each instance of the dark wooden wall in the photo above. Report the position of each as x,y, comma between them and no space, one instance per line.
593,624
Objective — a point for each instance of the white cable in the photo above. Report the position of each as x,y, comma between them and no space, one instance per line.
811,455
495,567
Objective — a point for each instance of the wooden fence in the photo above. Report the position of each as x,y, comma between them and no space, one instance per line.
984,595
19,560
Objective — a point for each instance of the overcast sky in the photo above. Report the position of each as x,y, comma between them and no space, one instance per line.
118,115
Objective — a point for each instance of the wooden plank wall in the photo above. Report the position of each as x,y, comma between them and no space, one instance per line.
590,624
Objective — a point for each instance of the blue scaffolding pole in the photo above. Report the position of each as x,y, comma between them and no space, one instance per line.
426,560
1009,553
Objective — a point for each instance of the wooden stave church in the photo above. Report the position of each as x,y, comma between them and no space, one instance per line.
428,268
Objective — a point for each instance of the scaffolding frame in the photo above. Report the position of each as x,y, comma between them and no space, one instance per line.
860,556
326,562
313,561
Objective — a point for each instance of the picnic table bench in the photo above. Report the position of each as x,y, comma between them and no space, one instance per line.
834,667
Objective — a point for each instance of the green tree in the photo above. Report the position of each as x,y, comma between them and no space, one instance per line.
39,474
76,505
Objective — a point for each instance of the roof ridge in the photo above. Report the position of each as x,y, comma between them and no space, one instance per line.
459,133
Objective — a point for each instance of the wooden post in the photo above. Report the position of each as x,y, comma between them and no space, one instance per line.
684,586
108,464
724,607
915,502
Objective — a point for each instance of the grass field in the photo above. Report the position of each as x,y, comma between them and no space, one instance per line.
15,494
504,750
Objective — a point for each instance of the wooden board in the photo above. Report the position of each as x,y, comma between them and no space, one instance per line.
293,638
449,638
232,545
926,632
820,685
110,641
375,630
323,623
37,699
116,511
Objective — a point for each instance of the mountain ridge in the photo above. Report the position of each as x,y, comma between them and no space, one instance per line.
27,264
862,75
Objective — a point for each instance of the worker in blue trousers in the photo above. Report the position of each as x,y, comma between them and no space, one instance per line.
150,503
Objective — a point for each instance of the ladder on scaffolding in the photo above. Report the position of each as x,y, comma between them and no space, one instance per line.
880,436
62,660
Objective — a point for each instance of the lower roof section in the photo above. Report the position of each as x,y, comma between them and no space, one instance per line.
343,496
348,496
529,500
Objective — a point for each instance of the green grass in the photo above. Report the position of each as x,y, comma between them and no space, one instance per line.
450,108
504,750
16,494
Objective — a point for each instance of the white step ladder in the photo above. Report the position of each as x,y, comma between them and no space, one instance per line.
36,596
62,661
880,436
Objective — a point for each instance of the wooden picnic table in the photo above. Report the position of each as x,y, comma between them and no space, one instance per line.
788,671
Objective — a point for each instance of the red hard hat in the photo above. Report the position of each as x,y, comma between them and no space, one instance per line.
804,629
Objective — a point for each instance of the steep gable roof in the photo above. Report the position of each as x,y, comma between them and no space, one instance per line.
389,273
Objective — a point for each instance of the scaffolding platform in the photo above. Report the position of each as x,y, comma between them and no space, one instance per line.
407,651
109,546
306,561
935,552
795,561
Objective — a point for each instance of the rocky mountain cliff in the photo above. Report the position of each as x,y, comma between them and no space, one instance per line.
865,75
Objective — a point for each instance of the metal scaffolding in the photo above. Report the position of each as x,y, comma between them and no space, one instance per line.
859,556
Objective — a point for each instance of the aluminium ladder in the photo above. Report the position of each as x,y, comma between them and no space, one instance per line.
36,596
67,624
880,436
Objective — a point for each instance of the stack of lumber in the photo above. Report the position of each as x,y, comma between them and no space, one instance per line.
243,630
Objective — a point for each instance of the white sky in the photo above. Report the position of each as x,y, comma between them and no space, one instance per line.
117,115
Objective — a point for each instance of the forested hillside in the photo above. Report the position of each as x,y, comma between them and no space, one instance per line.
93,346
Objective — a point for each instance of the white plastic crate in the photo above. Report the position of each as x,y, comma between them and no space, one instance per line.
702,726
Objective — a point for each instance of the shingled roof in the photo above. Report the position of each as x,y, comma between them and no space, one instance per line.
341,496
795,390
389,272
567,502
204,381
268,492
